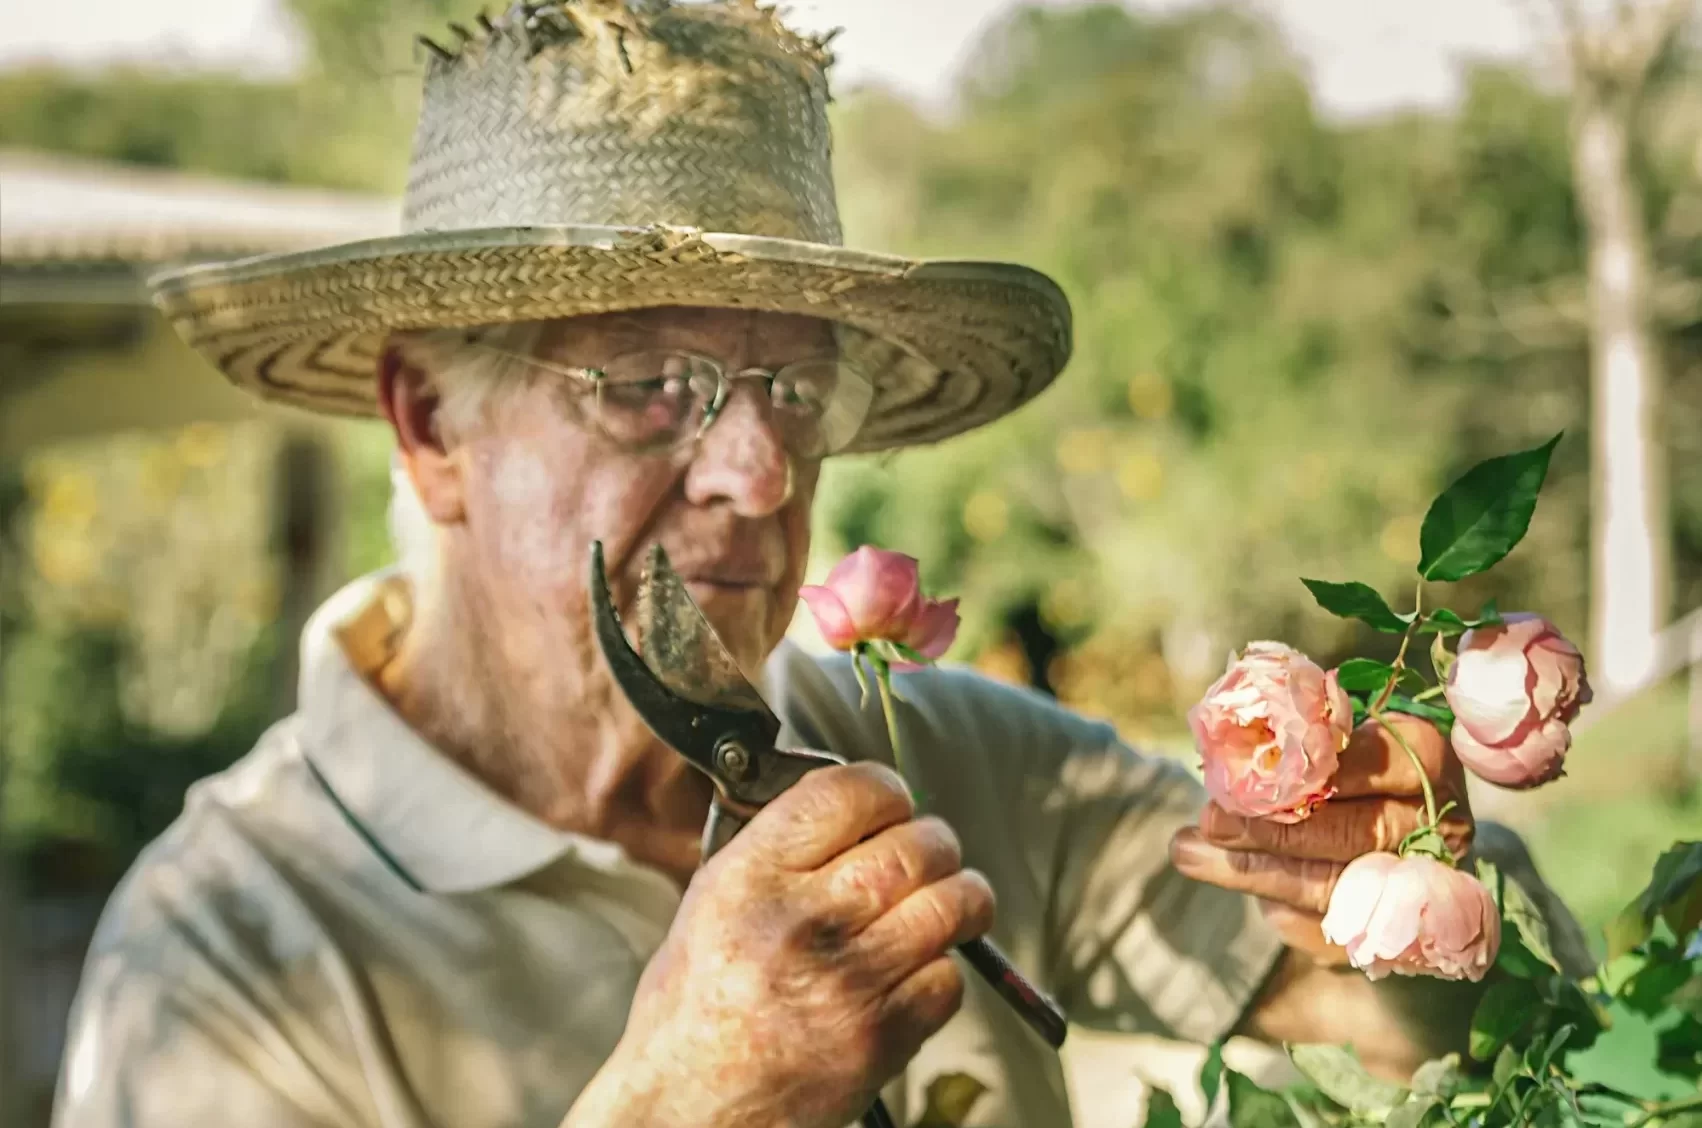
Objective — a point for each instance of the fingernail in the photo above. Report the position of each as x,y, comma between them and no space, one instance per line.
1188,850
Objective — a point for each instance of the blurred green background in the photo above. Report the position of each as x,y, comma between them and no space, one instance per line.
1291,333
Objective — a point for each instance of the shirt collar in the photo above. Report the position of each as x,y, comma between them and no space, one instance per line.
433,821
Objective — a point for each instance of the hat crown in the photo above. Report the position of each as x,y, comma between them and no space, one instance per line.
627,113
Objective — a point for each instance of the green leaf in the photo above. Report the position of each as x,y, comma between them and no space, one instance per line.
1411,1114
1623,1057
1161,1110
1520,914
1439,1077
1506,1067
1504,1010
1211,1072
1674,891
1336,1070
1445,622
1476,521
1362,675
1310,1110
1441,658
1253,1107
1354,600
1442,622
1674,894
1439,715
1627,931
951,1098
1619,970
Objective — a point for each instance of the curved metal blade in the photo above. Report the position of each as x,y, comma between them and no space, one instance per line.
694,718
681,647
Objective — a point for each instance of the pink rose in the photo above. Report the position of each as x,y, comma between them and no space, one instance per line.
1413,916
876,596
1514,688
1269,733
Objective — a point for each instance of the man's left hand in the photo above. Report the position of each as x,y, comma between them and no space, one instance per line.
1292,868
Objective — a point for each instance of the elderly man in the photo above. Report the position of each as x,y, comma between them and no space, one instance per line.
461,885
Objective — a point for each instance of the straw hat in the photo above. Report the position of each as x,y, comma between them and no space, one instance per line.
586,156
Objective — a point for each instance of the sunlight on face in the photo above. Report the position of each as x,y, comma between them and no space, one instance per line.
732,510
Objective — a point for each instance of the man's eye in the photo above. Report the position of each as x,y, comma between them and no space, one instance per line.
795,397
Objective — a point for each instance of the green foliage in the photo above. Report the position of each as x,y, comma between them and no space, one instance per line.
1339,1075
1355,600
1621,1049
1443,622
1674,894
1476,521
1161,1110
1265,303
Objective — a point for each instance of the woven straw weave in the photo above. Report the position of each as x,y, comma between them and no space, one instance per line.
587,156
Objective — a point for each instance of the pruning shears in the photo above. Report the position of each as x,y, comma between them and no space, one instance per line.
689,690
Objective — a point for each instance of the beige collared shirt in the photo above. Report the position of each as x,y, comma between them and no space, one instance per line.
345,928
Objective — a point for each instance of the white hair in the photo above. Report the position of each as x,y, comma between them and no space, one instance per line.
471,383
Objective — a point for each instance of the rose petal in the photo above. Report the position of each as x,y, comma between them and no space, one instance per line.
832,619
880,590
933,630
1486,687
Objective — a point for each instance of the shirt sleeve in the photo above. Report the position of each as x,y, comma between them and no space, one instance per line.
1072,827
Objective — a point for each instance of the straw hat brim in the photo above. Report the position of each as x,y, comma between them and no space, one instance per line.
956,344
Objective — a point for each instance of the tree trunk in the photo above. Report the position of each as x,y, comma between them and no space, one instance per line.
1629,536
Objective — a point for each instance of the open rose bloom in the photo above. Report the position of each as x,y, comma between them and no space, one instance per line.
876,596
1413,916
1515,687
1270,732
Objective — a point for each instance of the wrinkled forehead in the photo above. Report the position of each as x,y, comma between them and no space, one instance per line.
757,336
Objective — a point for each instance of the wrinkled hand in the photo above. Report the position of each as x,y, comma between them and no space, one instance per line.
1293,868
807,964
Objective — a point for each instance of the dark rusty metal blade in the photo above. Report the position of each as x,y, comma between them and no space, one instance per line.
681,647
688,724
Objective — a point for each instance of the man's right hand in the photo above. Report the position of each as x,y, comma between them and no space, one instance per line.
807,964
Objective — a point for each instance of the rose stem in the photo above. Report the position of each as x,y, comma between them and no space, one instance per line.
883,677
1400,655
1423,776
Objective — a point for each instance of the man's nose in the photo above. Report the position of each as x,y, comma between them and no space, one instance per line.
742,457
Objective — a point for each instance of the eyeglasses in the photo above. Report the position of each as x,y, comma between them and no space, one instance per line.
659,400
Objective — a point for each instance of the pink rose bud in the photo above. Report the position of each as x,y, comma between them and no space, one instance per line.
1413,916
1269,733
1514,689
876,596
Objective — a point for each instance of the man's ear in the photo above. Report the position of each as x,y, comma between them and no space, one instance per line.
410,403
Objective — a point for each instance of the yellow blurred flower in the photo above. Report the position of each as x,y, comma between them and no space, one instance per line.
1005,663
161,474
70,500
986,515
1399,540
62,559
1067,603
1084,451
1141,475
1150,395
202,445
